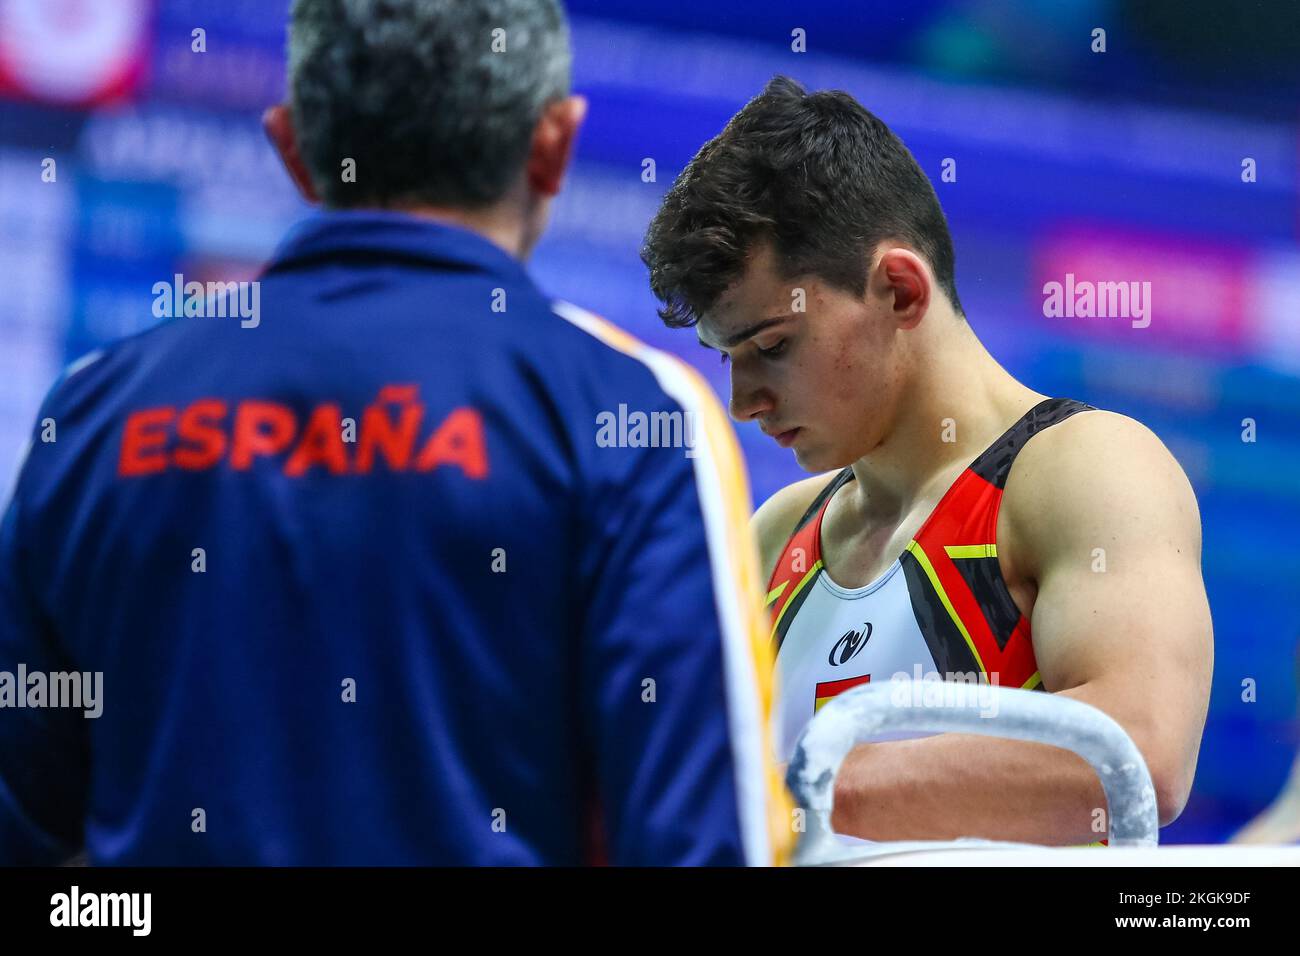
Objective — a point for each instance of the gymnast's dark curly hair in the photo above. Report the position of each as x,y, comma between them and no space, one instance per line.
814,173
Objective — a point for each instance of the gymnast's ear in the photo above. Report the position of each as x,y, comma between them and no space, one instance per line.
277,121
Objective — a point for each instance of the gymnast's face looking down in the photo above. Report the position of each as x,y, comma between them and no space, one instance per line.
821,370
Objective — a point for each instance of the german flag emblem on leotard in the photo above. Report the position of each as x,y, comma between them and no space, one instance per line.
833,688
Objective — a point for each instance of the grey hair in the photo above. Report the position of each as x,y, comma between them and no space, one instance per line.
421,96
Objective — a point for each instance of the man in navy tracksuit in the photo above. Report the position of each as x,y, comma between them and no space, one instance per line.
387,559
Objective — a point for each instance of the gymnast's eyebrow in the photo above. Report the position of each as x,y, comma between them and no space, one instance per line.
743,334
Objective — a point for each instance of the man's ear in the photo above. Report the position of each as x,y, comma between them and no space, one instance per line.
908,282
554,138
277,121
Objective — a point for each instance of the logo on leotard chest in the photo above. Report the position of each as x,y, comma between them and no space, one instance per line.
849,646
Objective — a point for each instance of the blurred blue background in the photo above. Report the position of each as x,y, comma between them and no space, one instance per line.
1129,164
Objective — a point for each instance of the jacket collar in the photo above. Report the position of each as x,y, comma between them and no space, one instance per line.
380,234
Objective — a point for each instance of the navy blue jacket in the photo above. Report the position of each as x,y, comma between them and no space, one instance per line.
409,565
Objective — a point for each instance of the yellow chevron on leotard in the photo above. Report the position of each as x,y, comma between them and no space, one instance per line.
776,592
924,561
971,550
803,583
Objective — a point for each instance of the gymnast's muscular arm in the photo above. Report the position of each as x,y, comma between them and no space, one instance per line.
1134,640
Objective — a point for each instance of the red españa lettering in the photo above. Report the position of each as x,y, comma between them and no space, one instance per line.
264,429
